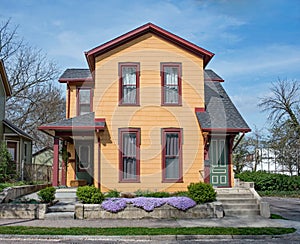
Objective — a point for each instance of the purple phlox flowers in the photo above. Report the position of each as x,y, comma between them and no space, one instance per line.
115,205
147,203
181,203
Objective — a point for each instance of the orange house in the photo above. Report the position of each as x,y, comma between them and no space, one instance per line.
146,115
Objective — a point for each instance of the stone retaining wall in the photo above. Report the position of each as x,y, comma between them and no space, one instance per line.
11,193
203,211
22,211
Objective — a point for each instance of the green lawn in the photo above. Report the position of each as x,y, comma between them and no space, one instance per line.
25,230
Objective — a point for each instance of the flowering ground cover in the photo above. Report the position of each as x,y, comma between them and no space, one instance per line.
115,205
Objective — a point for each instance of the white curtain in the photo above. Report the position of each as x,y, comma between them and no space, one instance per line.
129,84
172,156
171,85
129,156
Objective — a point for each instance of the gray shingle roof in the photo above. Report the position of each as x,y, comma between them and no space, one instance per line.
210,75
220,113
76,74
85,120
17,130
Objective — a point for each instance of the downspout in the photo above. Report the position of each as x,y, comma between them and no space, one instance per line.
69,95
99,163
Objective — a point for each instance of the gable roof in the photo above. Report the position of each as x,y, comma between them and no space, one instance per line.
220,114
16,130
142,30
4,79
75,75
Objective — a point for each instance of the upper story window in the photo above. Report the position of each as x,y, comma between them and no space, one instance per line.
171,83
84,100
129,84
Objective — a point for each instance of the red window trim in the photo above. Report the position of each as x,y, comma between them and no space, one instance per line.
137,66
77,98
164,132
162,74
138,143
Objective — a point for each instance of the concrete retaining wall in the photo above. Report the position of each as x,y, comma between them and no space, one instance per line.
11,193
22,211
204,211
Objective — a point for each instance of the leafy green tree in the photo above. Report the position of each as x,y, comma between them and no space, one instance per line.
7,167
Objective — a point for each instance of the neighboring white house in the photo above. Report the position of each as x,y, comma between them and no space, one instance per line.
267,161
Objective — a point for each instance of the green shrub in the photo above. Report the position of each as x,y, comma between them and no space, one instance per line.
147,193
180,194
7,167
112,193
201,192
89,195
265,181
47,194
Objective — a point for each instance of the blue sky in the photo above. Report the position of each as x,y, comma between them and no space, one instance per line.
255,42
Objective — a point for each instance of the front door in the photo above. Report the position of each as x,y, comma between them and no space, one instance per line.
84,161
12,147
218,158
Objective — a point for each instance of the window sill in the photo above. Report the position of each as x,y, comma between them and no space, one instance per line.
172,181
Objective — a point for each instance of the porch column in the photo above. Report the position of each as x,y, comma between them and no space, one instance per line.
63,173
55,168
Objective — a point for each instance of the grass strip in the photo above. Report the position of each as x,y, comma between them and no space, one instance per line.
28,230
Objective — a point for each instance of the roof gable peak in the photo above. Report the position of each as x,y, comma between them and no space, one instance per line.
142,30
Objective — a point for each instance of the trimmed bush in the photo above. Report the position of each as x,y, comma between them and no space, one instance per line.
89,195
201,192
47,194
271,182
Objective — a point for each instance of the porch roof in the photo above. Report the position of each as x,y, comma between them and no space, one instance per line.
219,114
85,122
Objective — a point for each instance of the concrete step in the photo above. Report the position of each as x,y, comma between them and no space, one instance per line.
237,200
234,195
242,212
59,215
61,208
232,190
240,206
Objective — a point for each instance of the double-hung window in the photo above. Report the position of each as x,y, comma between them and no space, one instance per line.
129,155
84,100
129,83
171,83
172,155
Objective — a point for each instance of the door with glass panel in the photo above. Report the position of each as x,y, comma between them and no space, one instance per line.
218,157
84,161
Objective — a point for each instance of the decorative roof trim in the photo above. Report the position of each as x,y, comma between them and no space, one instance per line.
144,29
75,80
245,130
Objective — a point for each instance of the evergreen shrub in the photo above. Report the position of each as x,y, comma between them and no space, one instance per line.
89,195
47,194
201,192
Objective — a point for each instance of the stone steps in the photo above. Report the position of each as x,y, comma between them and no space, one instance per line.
59,215
238,202
65,206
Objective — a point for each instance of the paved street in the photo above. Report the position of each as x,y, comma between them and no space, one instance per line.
288,208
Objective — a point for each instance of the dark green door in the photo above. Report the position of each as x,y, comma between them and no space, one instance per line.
84,161
218,157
